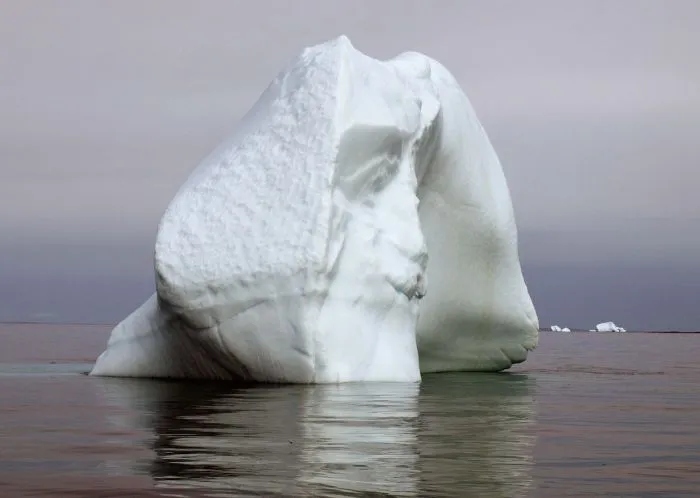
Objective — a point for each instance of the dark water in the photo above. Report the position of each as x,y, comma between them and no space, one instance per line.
587,415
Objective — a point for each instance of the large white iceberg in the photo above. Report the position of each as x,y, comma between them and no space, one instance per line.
608,327
302,248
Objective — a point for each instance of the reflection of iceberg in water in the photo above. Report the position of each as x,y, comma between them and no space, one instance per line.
453,434
476,435
215,437
360,438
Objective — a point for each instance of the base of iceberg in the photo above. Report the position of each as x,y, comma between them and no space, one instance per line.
356,226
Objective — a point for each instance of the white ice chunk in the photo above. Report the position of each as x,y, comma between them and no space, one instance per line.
298,250
608,327
557,328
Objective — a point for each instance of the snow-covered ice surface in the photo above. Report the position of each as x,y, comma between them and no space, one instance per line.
302,249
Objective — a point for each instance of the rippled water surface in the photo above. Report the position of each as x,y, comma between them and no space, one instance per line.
587,415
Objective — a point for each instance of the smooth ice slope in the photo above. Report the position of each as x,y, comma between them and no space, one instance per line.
477,314
298,250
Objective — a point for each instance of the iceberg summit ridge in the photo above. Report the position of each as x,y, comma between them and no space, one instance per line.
355,226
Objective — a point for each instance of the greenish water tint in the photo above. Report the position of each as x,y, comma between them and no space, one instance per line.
588,415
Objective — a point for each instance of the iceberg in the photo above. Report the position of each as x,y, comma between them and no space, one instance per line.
608,327
557,328
302,249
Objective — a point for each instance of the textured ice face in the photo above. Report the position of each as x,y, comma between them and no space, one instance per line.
298,250
294,252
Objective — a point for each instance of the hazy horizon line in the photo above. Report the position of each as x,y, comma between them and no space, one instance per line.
541,329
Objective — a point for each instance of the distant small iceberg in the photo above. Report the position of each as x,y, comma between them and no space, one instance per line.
557,328
608,327
601,327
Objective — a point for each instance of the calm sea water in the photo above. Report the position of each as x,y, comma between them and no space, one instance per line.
588,415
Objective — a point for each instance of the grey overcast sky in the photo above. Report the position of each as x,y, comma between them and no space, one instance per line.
592,105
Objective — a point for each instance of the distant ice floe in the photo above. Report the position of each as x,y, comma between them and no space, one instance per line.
557,328
608,327
601,327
